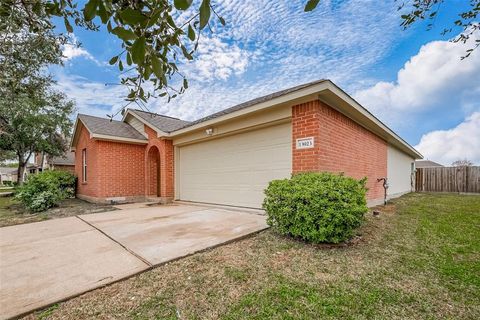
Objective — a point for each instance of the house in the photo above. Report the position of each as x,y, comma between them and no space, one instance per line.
8,175
229,157
65,162
426,164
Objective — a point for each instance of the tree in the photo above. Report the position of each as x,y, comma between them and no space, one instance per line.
153,42
462,163
6,155
35,122
33,116
38,120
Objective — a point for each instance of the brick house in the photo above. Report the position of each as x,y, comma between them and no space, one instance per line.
229,157
64,162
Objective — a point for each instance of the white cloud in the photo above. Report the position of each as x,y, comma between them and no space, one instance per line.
92,98
73,49
217,60
434,78
267,46
461,142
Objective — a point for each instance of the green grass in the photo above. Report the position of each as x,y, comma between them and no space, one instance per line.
12,213
436,243
420,259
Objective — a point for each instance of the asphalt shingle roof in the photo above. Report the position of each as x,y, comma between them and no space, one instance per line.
164,123
250,103
110,128
7,170
67,159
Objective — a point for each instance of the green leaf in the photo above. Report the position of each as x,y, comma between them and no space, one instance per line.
129,59
311,4
138,51
113,60
132,17
182,4
124,34
147,72
90,10
222,21
157,67
186,53
204,13
102,12
120,65
154,18
191,33
185,83
68,26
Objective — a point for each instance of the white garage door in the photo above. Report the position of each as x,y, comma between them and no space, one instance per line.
234,170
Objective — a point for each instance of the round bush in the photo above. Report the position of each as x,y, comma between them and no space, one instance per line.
316,207
44,190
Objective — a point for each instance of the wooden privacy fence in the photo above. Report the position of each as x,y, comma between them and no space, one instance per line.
448,179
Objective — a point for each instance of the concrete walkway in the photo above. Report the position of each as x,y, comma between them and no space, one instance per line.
46,262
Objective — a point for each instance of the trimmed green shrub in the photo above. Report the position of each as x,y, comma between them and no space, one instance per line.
316,207
44,190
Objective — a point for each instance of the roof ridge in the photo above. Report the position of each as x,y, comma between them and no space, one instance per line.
248,103
158,114
88,115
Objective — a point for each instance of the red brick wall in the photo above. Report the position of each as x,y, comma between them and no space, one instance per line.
120,169
116,169
113,169
90,188
165,148
341,145
153,166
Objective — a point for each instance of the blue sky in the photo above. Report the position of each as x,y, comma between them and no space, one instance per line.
412,80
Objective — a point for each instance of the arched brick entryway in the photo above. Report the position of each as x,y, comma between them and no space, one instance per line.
153,172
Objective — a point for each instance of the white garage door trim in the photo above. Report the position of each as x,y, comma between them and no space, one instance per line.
234,170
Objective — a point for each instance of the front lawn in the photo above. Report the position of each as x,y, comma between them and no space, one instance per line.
12,212
420,259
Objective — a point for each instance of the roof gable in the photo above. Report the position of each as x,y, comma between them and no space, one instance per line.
163,123
107,129
97,125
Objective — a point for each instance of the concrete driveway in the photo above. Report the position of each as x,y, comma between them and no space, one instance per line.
46,262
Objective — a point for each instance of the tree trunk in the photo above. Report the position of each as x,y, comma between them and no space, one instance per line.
22,164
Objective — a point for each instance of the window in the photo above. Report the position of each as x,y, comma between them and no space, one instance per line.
84,165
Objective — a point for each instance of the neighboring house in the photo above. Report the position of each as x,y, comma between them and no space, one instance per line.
8,174
229,157
426,164
47,162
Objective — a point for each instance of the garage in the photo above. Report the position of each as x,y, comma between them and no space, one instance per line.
234,169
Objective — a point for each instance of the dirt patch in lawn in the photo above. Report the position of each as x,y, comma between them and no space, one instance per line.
392,270
12,212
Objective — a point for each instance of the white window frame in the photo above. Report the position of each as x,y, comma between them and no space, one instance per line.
84,165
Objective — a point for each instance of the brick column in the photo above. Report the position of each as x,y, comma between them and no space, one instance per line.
306,123
165,148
